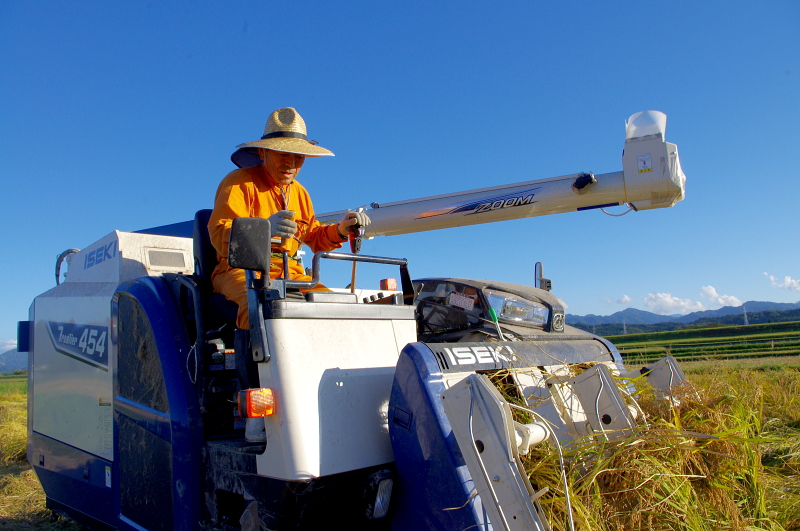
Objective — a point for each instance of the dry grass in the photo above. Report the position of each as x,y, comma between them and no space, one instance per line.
746,478
22,501
773,363
13,429
775,395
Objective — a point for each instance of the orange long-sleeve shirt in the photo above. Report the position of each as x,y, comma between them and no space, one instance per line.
251,192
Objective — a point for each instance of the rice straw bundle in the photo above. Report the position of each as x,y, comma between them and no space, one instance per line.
668,476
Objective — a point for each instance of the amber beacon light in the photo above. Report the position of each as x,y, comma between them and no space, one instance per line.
254,403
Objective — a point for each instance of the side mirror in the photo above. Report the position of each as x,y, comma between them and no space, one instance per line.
250,244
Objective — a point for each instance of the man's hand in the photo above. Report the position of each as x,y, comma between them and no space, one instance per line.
352,218
281,224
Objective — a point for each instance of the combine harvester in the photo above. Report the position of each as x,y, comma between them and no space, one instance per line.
378,412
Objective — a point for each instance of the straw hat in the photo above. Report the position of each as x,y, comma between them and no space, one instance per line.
285,131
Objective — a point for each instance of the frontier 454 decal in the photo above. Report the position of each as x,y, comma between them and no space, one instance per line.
85,343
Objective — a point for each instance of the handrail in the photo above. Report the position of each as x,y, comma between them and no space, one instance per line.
331,255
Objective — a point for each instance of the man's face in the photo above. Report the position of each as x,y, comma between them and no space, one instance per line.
283,167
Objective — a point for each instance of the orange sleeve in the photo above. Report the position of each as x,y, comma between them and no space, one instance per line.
233,200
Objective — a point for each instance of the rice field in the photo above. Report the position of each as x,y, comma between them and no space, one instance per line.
720,343
746,478
14,384
726,457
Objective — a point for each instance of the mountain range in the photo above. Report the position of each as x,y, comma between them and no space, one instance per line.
634,316
11,361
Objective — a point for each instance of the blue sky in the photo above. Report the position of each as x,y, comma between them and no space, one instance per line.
123,115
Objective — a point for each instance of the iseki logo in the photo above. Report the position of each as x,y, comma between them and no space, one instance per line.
99,255
477,355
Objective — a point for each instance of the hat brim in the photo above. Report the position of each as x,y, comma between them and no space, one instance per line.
246,155
289,145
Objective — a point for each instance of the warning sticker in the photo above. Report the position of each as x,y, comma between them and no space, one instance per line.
645,162
460,300
106,424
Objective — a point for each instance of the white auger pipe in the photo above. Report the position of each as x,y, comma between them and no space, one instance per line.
651,178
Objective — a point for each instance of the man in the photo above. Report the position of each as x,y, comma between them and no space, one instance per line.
269,189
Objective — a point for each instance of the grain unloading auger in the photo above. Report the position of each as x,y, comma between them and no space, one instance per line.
377,414
651,178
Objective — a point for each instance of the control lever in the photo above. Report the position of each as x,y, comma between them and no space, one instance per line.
356,234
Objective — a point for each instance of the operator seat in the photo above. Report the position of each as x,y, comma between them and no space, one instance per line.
218,309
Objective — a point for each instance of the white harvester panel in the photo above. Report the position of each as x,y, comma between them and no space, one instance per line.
332,380
72,373
122,256
71,359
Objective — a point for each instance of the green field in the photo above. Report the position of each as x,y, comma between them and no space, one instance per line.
12,384
717,343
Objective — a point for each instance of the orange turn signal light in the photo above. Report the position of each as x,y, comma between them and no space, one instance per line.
254,403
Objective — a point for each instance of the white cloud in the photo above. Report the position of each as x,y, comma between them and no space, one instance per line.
788,283
608,302
624,299
665,304
710,293
8,345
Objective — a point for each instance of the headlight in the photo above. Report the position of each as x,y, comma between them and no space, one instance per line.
513,308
